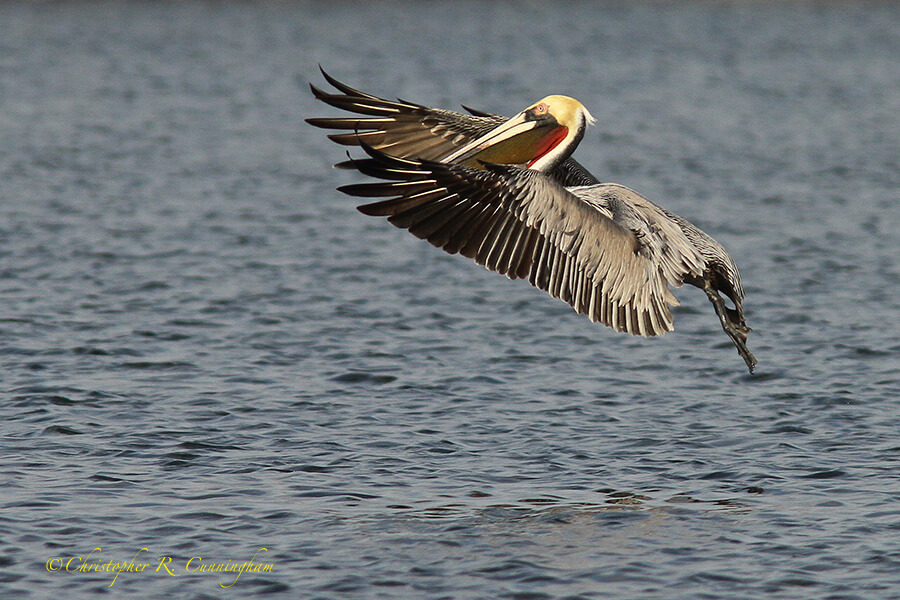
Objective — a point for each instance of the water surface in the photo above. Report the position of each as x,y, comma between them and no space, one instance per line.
207,351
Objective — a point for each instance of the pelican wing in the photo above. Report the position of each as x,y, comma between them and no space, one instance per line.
523,224
399,128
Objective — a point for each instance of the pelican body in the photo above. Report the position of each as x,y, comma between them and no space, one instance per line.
506,193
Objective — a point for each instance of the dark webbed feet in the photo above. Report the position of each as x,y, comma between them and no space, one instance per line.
732,322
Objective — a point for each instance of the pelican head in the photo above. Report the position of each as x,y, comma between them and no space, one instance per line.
540,137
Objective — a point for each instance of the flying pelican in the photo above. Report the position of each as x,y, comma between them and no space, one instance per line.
506,193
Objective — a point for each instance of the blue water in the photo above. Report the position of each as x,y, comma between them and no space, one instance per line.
207,351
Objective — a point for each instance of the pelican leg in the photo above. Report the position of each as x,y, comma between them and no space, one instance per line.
732,322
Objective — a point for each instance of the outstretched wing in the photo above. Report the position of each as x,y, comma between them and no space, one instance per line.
523,224
399,128
407,130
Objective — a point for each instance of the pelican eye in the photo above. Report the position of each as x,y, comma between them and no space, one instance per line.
541,108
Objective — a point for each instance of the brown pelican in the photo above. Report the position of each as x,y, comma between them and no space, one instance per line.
506,193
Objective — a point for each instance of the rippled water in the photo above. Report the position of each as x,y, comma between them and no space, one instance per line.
207,351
